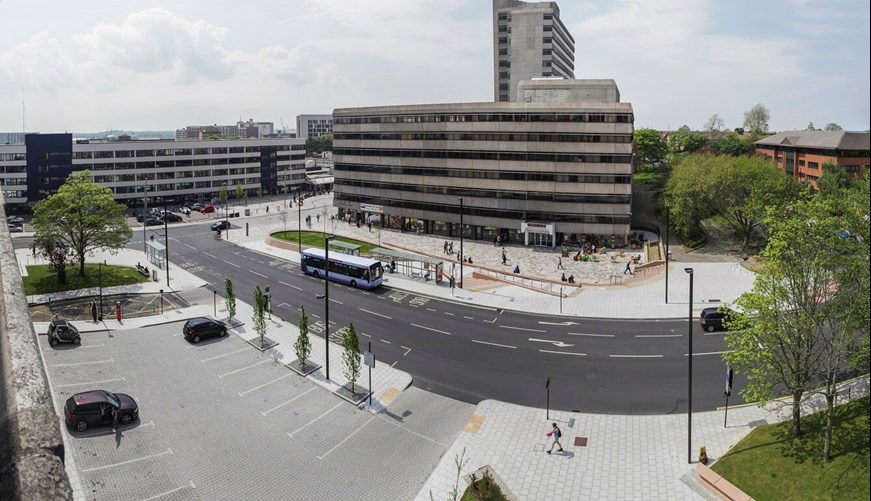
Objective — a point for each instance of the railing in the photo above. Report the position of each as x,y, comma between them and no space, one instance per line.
537,284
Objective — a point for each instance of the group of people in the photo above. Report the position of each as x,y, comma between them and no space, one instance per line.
570,279
448,247
143,269
500,240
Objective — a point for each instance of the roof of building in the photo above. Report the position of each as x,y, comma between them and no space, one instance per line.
824,139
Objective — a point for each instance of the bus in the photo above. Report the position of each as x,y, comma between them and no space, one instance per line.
350,270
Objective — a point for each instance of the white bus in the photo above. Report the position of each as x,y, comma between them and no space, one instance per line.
355,271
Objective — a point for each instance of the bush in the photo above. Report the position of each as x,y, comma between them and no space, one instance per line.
487,490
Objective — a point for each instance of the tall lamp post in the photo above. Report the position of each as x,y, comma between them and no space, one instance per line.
299,227
144,217
462,256
690,374
666,253
101,291
327,299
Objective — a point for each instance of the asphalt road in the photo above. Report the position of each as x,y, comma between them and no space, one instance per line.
471,354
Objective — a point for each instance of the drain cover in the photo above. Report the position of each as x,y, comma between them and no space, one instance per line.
580,441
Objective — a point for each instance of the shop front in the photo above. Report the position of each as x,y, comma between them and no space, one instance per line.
538,233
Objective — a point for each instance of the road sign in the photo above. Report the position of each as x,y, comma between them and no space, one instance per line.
369,359
728,381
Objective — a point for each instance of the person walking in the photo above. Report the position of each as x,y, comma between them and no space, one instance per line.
628,268
504,257
445,247
94,310
555,434
559,263
498,240
450,247
114,418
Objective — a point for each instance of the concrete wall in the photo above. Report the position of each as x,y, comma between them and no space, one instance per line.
31,446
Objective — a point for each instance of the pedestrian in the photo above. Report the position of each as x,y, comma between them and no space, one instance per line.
450,247
267,209
114,418
445,246
498,240
94,310
318,216
628,268
555,434
370,226
504,257
517,269
559,263
563,278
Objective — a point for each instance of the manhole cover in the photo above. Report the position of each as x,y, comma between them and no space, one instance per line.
580,441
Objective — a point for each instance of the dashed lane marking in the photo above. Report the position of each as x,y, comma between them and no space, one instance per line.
494,344
289,285
258,274
589,335
635,356
431,329
231,264
564,353
377,314
521,328
658,335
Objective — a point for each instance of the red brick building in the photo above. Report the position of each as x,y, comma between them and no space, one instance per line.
802,153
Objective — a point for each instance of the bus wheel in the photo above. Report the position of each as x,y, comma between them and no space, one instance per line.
316,275
354,284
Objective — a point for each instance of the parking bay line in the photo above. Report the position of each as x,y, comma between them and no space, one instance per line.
264,384
431,329
346,438
170,492
221,376
313,420
91,382
289,401
112,360
167,451
103,345
204,360
494,344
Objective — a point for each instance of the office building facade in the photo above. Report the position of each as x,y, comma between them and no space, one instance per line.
244,129
529,41
802,153
174,170
313,125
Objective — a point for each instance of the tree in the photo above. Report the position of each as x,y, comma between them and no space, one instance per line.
831,126
733,144
317,145
54,250
689,194
240,191
302,346
222,194
684,140
810,126
230,298
650,149
260,315
83,216
351,356
715,123
756,119
834,180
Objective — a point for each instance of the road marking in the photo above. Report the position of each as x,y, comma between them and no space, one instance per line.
337,302
170,492
635,356
210,255
589,335
658,335
468,318
373,313
84,363
204,360
385,341
258,274
168,451
708,353
264,384
221,376
289,401
405,348
521,328
492,321
93,345
449,313
313,420
346,438
91,382
558,344
364,334
494,344
191,246
431,329
720,333
231,264
287,284
394,423
394,363
564,353
559,323
431,309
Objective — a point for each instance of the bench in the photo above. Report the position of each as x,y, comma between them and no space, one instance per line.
144,270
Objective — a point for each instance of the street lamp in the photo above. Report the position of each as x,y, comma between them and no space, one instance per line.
101,291
327,299
666,253
462,256
299,227
144,218
690,373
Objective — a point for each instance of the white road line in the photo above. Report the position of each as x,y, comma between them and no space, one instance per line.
635,356
289,401
394,423
405,348
337,302
170,492
394,363
720,333
449,313
204,360
313,420
167,451
93,345
210,255
431,329
231,264
468,318
221,376
111,360
288,285
346,438
521,328
264,384
494,344
385,341
364,334
431,309
708,353
191,246
258,274
589,335
91,382
658,335
373,313
564,353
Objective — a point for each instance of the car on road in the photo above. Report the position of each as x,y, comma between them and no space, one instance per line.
152,221
197,206
712,319
198,328
223,224
185,210
14,220
61,331
207,208
96,407
13,228
171,217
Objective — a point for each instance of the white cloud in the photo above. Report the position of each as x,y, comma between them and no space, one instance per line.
39,64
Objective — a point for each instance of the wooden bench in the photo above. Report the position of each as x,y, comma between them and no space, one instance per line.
145,272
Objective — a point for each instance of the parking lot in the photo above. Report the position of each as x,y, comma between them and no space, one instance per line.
220,420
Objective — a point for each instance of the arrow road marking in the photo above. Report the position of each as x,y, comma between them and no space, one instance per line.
558,344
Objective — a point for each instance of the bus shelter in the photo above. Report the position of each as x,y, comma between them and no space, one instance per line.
155,254
412,265
345,247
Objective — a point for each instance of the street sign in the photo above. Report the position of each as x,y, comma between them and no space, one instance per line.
369,359
728,381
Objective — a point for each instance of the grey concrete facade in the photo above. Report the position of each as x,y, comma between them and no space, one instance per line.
313,125
529,41
536,173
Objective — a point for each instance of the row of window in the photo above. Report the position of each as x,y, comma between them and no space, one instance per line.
13,156
222,174
169,152
174,164
817,151
548,17
489,117
506,175
492,194
503,156
469,136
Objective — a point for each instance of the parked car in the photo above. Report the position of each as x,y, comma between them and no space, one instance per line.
207,208
15,220
152,221
61,331
185,210
712,319
15,228
223,224
171,217
202,327
197,206
188,204
94,408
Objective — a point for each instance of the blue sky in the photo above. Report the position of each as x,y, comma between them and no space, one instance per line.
161,65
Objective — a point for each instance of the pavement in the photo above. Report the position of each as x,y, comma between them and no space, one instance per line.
622,457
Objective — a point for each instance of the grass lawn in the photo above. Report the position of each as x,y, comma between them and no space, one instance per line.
316,239
767,464
41,279
643,177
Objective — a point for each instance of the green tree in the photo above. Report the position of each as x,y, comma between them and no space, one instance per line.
317,145
351,356
302,346
230,298
690,192
684,141
756,118
715,123
240,191
83,216
831,126
650,149
733,144
834,180
222,194
55,250
810,126
260,315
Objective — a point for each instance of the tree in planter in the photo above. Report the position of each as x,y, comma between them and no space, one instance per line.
230,298
302,346
222,195
54,250
260,315
240,191
351,356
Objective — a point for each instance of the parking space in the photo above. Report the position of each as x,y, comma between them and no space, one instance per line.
221,420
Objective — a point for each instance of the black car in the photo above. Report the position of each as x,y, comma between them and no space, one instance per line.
61,331
97,407
152,221
220,225
202,327
712,319
171,217
15,220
